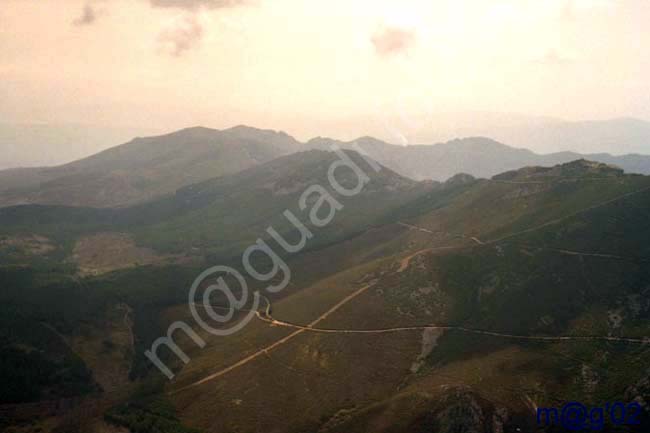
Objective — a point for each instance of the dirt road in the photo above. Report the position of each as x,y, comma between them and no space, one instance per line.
310,328
275,345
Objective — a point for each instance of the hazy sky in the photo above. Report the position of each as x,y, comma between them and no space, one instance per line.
297,64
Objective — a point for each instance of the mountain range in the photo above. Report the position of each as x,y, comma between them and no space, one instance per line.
146,168
39,145
455,306
617,136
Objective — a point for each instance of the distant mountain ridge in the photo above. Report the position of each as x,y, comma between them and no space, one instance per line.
478,156
542,135
146,168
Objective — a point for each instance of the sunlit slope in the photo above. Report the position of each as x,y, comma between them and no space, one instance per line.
537,258
516,276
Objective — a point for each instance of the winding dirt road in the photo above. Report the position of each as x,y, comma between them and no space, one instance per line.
299,329
310,328
278,343
404,263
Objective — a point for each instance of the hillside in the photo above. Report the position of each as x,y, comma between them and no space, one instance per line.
455,306
425,375
513,293
221,216
145,168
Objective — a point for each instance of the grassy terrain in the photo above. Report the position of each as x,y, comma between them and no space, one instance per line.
554,254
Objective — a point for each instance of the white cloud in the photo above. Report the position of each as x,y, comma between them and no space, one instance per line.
181,35
391,40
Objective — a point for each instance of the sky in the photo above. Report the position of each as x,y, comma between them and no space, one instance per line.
315,67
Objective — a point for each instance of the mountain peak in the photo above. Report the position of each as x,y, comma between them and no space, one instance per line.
251,130
479,143
460,179
194,130
577,168
239,131
191,133
366,139
583,167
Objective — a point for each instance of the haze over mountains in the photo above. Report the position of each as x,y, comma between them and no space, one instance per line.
543,135
616,136
32,145
146,168
478,156
40,144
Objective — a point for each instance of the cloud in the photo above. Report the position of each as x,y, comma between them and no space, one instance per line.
180,36
88,16
392,40
554,58
198,4
186,33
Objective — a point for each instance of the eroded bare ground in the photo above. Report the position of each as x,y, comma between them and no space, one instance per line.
106,252
32,245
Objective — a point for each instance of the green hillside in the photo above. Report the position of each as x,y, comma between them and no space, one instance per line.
455,307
